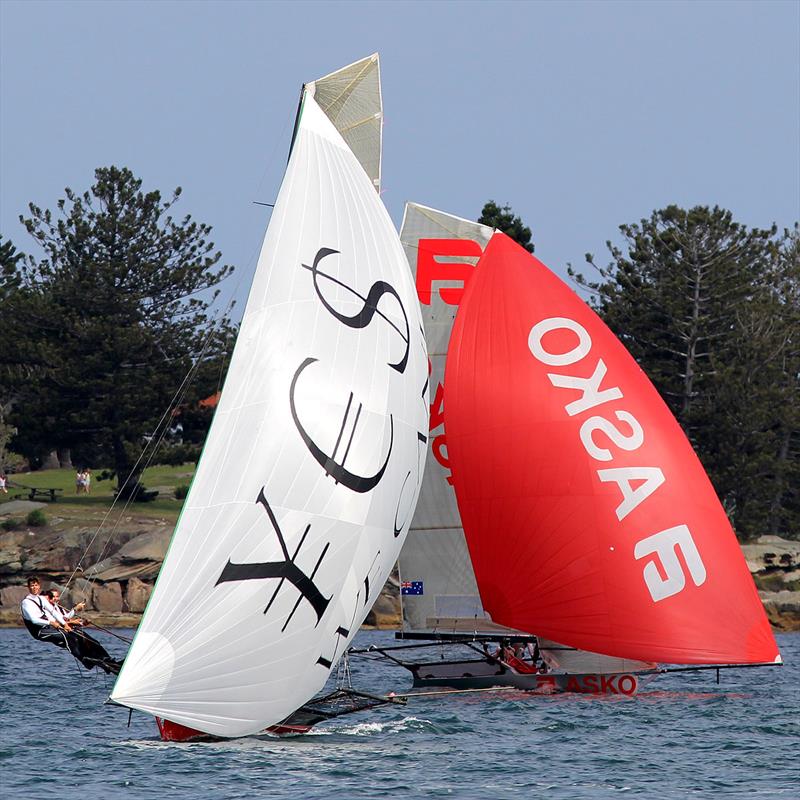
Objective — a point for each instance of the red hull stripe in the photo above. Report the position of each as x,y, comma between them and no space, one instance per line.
173,732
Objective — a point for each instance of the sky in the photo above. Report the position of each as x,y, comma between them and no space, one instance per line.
580,115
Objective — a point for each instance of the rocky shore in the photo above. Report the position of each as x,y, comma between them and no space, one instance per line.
775,566
114,574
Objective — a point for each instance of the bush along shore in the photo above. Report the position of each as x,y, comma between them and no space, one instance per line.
112,565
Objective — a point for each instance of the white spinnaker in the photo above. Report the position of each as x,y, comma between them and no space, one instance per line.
206,654
435,554
351,99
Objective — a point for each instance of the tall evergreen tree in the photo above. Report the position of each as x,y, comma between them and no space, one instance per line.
11,309
125,291
784,502
676,291
503,219
697,299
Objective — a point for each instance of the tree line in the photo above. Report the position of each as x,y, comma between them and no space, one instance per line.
710,309
99,332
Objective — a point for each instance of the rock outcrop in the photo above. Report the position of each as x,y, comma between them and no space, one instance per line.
111,573
12,596
107,597
137,593
775,565
115,577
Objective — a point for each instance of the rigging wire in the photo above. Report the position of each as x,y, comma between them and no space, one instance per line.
177,397
108,631
134,471
149,450
344,678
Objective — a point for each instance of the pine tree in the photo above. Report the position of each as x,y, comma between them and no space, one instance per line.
503,219
123,295
704,305
11,310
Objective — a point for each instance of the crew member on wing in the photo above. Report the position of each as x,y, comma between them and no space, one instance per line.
45,623
54,596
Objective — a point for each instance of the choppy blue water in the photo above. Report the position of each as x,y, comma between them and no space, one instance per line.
682,736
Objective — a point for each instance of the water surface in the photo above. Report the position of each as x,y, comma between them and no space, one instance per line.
682,736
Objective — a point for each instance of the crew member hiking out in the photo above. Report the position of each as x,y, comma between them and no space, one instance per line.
54,596
46,623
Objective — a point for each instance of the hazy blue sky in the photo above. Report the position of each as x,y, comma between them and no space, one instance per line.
580,115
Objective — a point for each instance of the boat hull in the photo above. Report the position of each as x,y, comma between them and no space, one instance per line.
482,675
174,732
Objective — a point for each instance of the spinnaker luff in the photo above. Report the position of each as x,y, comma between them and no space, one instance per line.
311,470
588,516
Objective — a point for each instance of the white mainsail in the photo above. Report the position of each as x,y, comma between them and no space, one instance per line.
351,99
312,467
440,592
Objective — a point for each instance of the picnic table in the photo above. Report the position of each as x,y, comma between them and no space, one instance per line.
43,494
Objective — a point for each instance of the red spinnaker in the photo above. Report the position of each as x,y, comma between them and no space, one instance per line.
589,518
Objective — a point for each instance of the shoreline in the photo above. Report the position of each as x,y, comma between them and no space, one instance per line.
10,618
116,583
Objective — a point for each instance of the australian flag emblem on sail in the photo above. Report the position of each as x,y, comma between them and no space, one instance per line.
411,587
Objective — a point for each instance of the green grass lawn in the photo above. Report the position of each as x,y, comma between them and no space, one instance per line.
163,478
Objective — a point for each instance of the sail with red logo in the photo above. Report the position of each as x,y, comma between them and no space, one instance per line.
588,516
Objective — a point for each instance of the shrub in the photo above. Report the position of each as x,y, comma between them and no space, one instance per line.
181,491
13,462
36,518
176,454
10,524
136,492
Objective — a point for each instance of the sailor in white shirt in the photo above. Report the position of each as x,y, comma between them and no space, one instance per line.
47,624
61,613
37,613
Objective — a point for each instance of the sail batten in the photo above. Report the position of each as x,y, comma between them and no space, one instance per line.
310,467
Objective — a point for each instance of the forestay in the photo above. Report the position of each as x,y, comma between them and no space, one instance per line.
311,469
438,591
570,471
